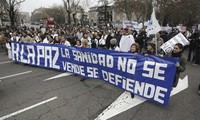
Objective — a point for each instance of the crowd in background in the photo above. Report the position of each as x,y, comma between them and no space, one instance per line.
113,39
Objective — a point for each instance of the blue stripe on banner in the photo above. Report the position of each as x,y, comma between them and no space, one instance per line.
149,77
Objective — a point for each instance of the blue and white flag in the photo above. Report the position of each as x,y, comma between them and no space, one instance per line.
153,25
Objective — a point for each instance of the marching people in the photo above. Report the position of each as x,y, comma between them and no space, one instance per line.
79,34
113,45
78,43
140,39
94,41
181,64
199,90
135,49
191,53
150,49
108,38
87,37
101,41
84,44
197,51
28,39
118,35
65,41
158,42
8,47
126,41
56,40
47,39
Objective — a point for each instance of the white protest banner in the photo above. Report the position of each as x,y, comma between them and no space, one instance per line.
131,25
179,38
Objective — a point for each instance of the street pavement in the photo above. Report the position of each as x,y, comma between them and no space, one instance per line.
25,95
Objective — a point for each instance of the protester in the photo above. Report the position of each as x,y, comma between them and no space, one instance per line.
15,37
181,64
87,36
108,39
199,90
126,41
47,39
140,39
101,41
158,42
150,49
191,52
79,34
84,44
197,51
56,40
113,45
78,43
26,38
9,49
118,35
65,42
94,41
135,49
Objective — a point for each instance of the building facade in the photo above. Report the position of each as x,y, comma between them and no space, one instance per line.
24,17
93,15
115,18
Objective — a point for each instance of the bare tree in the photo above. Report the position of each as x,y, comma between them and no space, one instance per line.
72,7
3,4
75,7
13,7
40,15
138,8
103,11
178,12
56,12
67,7
125,6
165,10
188,12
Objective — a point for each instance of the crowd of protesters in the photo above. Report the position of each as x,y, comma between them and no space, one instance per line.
123,40
102,38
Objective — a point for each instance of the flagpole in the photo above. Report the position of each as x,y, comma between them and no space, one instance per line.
156,42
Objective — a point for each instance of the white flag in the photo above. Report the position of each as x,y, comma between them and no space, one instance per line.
153,25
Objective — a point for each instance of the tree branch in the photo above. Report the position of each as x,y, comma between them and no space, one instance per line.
18,2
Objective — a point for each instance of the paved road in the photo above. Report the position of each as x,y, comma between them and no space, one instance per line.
67,98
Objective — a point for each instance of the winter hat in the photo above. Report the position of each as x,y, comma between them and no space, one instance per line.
153,45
